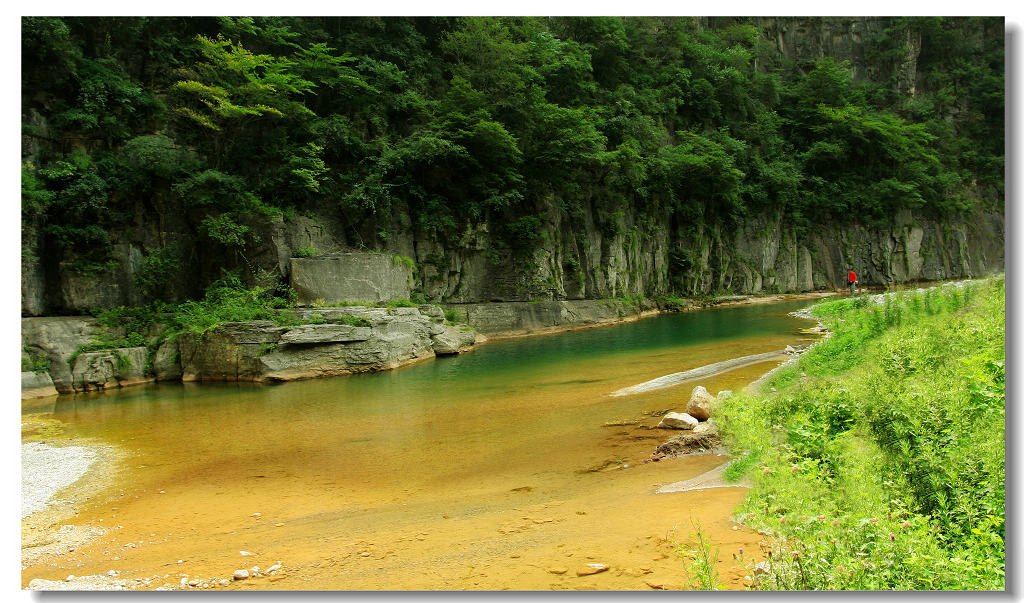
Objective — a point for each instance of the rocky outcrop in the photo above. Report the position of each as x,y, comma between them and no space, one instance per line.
36,385
361,277
453,340
105,369
56,339
327,344
520,318
262,351
167,361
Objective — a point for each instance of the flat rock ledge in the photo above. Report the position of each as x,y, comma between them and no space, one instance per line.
332,341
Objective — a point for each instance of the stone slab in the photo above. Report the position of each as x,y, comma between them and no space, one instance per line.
356,277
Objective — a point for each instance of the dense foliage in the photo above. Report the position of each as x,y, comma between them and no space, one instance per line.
438,122
879,459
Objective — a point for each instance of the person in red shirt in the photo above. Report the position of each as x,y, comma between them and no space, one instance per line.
852,278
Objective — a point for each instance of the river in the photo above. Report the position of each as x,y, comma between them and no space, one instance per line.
489,470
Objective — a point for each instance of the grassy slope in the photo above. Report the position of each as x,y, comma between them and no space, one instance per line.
879,460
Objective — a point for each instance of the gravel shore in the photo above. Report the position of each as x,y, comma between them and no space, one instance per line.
46,469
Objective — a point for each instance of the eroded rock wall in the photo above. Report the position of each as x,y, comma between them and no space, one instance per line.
326,344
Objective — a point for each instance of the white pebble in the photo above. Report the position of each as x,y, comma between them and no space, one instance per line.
245,553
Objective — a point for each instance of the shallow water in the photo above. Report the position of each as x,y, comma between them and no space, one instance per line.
431,469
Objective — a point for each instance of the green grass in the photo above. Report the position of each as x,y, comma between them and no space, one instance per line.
700,560
879,461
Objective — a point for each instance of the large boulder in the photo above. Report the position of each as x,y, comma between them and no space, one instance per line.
230,352
701,404
167,361
56,339
453,340
260,350
104,369
678,420
36,385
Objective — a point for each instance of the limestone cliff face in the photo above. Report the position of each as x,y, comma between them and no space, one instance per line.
579,257
763,255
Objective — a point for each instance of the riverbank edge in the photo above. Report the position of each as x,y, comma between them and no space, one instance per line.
692,305
530,319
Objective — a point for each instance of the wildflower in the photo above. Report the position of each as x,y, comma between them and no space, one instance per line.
821,518
782,519
794,469
840,568
803,518
835,522
795,554
766,471
905,525
892,536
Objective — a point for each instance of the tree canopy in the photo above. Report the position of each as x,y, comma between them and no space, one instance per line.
460,120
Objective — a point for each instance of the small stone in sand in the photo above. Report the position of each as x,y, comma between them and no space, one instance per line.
591,569
557,570
240,574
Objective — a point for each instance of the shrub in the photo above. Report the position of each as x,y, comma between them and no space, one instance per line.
228,300
159,266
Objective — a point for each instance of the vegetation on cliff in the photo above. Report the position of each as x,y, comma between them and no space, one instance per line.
433,123
879,457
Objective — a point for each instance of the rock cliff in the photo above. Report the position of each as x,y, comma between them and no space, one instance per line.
581,258
330,341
